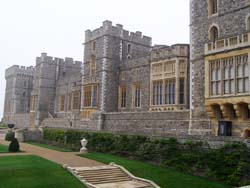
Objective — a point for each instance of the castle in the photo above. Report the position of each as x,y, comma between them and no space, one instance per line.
126,85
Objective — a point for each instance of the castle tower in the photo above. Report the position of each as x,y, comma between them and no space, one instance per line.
43,94
19,84
105,49
220,53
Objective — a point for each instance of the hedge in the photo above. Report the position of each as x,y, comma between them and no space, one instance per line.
230,163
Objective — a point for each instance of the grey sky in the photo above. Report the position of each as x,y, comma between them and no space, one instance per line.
29,27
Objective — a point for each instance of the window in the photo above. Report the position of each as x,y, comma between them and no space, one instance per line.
94,96
137,95
24,94
123,96
242,74
69,101
214,34
62,103
76,100
215,77
25,83
228,67
33,103
87,96
90,97
170,91
129,49
182,90
157,93
92,65
212,7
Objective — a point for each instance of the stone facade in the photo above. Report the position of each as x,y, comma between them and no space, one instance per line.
19,84
220,41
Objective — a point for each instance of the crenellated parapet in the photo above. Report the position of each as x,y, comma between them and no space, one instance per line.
19,70
117,31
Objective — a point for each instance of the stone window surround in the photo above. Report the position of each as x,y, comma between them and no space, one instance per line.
210,10
136,102
210,32
88,102
222,94
247,21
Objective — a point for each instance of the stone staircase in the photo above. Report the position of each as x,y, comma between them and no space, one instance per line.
109,176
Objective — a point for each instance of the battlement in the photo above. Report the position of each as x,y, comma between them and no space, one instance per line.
16,69
108,29
49,59
163,51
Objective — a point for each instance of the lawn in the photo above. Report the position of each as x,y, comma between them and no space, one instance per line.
3,148
50,147
164,177
34,172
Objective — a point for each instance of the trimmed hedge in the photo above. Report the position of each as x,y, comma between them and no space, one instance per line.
230,163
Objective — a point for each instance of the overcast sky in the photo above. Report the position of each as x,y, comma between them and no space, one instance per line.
30,27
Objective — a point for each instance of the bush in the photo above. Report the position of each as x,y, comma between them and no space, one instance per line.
14,146
10,136
230,163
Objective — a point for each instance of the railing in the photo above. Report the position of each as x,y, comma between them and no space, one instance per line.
227,44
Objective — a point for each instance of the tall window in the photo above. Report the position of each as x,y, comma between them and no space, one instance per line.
70,100
129,48
182,90
87,96
62,103
212,7
93,45
94,96
229,84
242,74
215,77
170,91
157,93
92,65
137,95
123,96
90,97
214,34
76,100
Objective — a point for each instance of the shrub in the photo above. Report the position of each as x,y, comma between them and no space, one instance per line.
10,136
230,163
14,146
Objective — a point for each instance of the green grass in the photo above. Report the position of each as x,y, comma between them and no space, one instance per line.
34,172
3,149
49,147
164,177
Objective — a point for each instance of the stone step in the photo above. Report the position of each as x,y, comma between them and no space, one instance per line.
102,176
96,182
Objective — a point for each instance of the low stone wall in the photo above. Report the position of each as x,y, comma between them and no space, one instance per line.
67,124
148,123
20,120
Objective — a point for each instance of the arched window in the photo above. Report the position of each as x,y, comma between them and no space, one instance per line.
129,48
212,7
214,34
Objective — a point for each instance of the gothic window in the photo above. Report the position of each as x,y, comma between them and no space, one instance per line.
182,87
137,95
87,96
214,34
92,65
123,96
157,93
76,100
90,96
94,96
228,76
212,7
69,101
215,77
62,103
242,74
